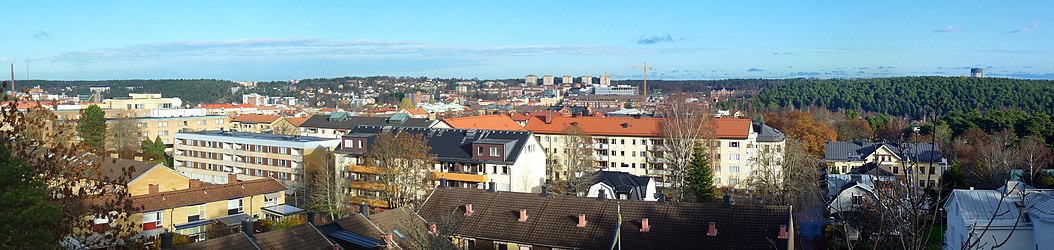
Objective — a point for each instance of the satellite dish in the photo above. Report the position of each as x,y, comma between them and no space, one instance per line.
176,102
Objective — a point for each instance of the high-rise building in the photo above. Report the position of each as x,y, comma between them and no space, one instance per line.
605,80
548,80
530,80
568,79
976,72
587,80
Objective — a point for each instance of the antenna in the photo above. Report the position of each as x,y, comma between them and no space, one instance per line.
646,69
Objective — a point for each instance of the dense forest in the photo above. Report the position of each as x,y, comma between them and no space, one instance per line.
912,96
191,91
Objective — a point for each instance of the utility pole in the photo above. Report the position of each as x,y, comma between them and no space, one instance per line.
14,91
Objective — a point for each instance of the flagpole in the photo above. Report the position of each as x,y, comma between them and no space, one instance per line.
618,205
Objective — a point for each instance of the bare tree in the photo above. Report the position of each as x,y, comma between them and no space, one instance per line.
1035,156
995,157
785,177
576,161
124,133
685,124
405,163
327,189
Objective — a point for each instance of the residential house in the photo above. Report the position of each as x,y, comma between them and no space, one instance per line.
622,186
398,228
337,124
1015,216
481,219
914,162
464,158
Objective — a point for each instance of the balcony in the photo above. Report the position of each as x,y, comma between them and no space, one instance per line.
600,146
369,186
600,158
363,169
369,202
460,177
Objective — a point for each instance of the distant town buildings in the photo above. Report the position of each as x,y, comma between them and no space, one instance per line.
548,80
605,80
567,79
976,72
587,80
530,80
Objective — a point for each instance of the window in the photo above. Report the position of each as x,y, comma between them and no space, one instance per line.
623,142
733,181
219,121
234,206
259,172
734,157
153,220
201,122
634,141
493,151
505,170
733,169
733,144
857,199
717,181
271,199
479,151
633,153
623,153
196,213
162,124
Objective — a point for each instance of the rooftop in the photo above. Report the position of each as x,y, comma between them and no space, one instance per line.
260,136
205,194
493,122
255,118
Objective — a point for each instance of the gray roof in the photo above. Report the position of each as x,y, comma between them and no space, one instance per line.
768,134
624,183
455,145
346,122
857,151
980,206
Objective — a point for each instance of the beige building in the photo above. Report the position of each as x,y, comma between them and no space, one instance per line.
142,101
167,127
910,162
254,123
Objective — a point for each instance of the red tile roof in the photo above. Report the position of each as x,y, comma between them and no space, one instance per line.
622,126
253,118
224,106
296,121
493,122
417,111
520,117
732,127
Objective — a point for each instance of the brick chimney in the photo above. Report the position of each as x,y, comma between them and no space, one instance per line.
644,227
153,188
389,241
523,215
433,229
468,209
582,220
783,232
232,178
712,230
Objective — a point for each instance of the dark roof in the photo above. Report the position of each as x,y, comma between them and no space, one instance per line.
344,121
768,134
455,145
624,183
303,236
237,241
412,228
552,221
857,151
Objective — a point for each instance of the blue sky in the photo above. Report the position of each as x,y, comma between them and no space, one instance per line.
273,40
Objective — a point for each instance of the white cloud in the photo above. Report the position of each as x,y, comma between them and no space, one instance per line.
948,29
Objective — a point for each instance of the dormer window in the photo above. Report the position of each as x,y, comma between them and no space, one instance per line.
494,151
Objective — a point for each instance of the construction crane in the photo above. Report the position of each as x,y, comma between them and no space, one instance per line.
646,69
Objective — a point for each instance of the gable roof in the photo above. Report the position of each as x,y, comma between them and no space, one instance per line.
732,128
409,230
858,151
205,194
552,221
492,122
255,118
623,183
768,134
237,241
296,121
344,121
303,236
616,126
454,145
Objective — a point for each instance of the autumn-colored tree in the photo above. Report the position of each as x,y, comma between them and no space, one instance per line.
854,129
813,134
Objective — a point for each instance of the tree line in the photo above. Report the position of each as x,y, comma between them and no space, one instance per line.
191,91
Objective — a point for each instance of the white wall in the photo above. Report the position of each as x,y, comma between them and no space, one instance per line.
528,173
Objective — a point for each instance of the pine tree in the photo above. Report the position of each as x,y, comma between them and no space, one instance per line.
92,127
700,177
27,214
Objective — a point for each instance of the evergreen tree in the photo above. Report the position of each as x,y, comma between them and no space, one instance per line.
26,213
92,127
700,177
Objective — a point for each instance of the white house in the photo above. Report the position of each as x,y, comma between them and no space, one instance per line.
1020,215
622,186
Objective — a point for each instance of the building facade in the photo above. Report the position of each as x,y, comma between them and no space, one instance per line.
210,156
916,163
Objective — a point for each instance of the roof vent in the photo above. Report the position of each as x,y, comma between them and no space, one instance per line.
712,230
574,124
582,220
625,125
468,209
523,215
644,227
783,232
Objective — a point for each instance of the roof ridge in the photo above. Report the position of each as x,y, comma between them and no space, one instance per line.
206,187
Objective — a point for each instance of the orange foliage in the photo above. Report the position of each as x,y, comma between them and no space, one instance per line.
813,133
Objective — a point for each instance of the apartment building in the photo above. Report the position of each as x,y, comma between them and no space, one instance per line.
167,127
210,156
468,158
231,110
913,162
632,144
142,101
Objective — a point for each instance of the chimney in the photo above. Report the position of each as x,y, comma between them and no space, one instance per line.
602,195
195,183
247,228
783,232
545,190
712,230
523,215
492,187
433,229
661,198
232,178
468,209
442,182
166,241
311,217
581,220
644,227
153,188
624,125
389,241
364,209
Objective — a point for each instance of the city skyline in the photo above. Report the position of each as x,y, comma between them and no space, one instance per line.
243,40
